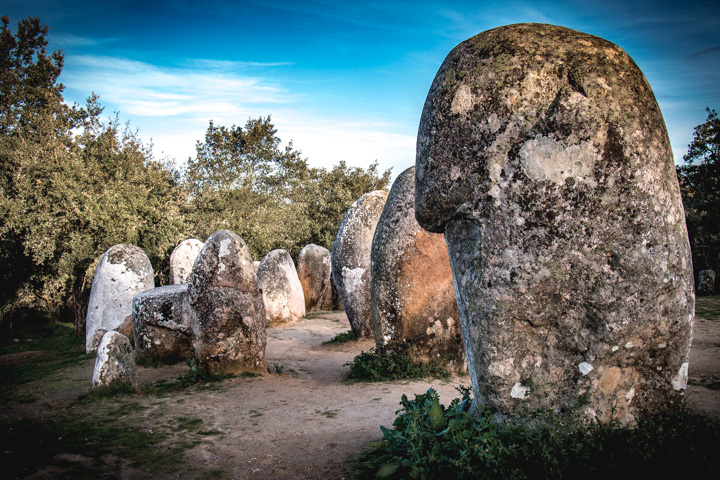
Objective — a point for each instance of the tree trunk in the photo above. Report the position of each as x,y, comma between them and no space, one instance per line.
78,304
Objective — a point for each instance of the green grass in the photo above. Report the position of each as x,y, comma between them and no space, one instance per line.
708,307
370,367
430,441
40,350
348,336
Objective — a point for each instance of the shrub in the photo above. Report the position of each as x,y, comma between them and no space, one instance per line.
430,441
370,367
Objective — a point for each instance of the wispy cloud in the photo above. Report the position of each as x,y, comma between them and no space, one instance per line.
148,90
172,106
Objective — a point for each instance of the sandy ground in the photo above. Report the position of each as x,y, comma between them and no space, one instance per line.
307,421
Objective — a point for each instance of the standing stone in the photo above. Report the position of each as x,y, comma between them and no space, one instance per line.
413,300
313,268
229,317
182,259
282,292
123,271
543,156
115,361
256,266
162,323
706,283
350,259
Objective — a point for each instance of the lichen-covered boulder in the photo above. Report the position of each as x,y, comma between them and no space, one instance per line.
706,282
413,300
543,156
115,361
282,292
313,269
123,271
350,259
162,323
228,323
182,259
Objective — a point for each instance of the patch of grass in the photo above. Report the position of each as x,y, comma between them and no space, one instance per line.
370,367
255,413
708,307
113,391
327,413
430,441
40,350
30,445
189,424
317,313
342,338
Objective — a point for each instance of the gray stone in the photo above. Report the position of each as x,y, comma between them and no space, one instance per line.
313,269
123,271
350,259
706,282
229,317
256,266
115,361
182,259
282,292
413,300
162,320
543,156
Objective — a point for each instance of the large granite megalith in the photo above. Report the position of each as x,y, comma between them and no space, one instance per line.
313,269
413,300
282,292
123,271
350,259
182,259
543,156
162,323
228,320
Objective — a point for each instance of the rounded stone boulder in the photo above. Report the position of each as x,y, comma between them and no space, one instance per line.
413,300
123,271
313,269
115,361
162,323
182,259
706,282
544,158
228,320
350,259
282,292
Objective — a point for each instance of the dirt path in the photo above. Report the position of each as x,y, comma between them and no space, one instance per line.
302,423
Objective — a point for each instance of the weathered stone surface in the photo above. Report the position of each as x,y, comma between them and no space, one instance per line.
229,317
123,271
162,323
256,265
543,156
115,361
182,259
350,259
706,282
413,298
313,269
282,292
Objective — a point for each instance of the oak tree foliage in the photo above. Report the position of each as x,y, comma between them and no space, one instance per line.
700,187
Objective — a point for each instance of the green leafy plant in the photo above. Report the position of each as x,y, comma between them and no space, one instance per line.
342,338
371,367
431,441
196,374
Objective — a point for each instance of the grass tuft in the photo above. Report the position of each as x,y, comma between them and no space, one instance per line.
370,367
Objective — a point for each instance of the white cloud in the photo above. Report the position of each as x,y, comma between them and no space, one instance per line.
172,106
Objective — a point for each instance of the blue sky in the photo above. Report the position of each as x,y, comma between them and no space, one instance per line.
343,81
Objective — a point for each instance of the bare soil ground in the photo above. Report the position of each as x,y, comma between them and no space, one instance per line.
302,422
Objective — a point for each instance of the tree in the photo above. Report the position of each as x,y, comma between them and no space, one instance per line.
700,187
243,181
65,198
